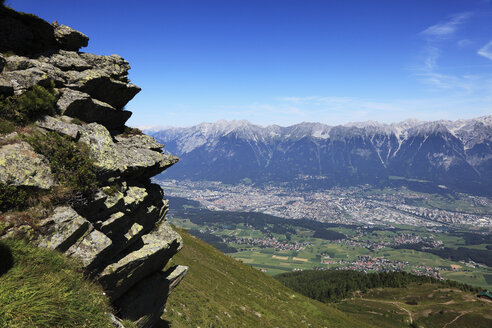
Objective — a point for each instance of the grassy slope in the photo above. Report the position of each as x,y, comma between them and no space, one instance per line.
426,305
42,288
222,292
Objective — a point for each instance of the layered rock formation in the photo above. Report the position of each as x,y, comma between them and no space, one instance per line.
120,233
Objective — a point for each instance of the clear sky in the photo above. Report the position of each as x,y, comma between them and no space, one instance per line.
287,61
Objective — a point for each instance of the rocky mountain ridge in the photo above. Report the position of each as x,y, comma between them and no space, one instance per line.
456,154
118,231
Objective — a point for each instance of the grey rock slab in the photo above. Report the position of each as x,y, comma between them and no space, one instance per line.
90,249
62,229
145,302
106,89
102,77
113,66
80,105
23,80
70,39
21,166
119,159
106,201
66,60
133,232
101,147
138,141
18,63
152,254
143,163
175,275
113,224
124,239
134,196
54,124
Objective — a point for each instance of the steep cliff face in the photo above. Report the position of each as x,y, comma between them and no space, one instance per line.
117,227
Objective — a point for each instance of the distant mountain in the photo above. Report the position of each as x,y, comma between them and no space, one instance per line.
448,154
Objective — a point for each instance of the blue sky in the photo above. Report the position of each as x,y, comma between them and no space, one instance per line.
288,61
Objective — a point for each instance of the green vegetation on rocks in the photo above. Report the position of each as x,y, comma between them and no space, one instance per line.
12,197
42,288
65,174
70,162
27,107
6,126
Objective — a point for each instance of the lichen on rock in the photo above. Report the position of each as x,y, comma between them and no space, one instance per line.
21,166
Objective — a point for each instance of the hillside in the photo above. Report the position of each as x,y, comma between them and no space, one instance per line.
221,292
42,288
419,305
456,154
394,299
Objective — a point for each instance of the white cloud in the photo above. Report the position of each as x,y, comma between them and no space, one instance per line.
430,61
439,37
464,43
316,100
486,51
326,109
446,29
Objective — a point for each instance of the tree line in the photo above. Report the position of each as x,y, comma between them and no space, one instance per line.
335,285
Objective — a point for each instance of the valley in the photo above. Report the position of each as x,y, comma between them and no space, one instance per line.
221,292
418,305
351,205
363,239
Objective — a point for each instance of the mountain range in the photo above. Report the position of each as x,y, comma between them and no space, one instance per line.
453,155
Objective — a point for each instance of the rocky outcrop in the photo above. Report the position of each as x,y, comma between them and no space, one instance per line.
129,157
78,104
27,34
136,307
119,234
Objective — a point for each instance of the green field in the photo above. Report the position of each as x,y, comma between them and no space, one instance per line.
221,292
422,305
273,261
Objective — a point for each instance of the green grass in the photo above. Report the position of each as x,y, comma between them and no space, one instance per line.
29,106
12,197
468,277
6,126
488,278
70,161
262,257
432,307
219,291
45,289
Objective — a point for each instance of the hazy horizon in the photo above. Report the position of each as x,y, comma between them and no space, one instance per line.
159,126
